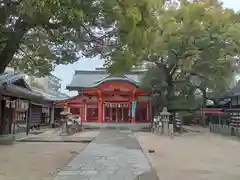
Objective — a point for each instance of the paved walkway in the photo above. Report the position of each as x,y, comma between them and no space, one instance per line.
114,154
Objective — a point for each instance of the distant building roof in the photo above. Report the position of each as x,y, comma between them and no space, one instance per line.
90,79
51,96
235,91
10,79
13,84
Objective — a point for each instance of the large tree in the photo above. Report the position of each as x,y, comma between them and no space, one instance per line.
37,35
198,38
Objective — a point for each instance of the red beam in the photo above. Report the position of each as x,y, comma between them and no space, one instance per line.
116,99
211,109
76,105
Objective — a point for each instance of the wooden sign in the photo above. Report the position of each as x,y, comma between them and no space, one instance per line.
117,105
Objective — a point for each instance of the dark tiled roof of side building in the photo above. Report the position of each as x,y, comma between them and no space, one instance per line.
28,92
235,91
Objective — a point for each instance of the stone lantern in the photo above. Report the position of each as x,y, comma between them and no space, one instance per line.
64,120
165,117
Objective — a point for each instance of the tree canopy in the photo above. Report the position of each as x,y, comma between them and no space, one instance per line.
35,36
199,38
177,40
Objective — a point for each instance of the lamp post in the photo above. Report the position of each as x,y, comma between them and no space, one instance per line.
64,116
165,115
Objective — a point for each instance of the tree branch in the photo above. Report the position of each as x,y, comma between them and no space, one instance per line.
3,41
12,44
33,60
10,2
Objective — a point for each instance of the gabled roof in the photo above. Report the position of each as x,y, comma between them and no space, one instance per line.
13,84
51,96
10,78
120,77
90,79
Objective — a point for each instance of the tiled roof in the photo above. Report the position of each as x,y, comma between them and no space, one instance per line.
56,96
235,91
31,92
9,78
51,96
8,87
89,79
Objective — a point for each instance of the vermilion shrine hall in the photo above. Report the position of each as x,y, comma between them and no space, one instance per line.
106,98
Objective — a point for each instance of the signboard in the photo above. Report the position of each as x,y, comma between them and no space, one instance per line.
19,105
117,105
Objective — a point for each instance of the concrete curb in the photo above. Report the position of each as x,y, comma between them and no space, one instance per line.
147,156
56,141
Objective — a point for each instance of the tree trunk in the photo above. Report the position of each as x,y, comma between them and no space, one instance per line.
170,90
1,116
12,44
3,119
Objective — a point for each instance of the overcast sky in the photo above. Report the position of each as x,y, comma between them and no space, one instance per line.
66,72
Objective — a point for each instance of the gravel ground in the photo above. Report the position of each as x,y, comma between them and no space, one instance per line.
35,161
194,156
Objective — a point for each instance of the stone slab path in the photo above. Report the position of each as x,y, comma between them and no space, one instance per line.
113,154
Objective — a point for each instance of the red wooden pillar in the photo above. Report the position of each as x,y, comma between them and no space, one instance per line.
100,110
85,112
110,109
150,111
148,114
100,107
122,115
103,116
130,112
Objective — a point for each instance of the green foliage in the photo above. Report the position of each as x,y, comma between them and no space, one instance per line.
196,38
35,36
183,97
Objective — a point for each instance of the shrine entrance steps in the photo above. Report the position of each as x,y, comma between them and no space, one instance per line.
123,126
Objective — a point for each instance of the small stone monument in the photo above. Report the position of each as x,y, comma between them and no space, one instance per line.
64,120
165,119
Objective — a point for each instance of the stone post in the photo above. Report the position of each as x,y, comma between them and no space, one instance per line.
165,119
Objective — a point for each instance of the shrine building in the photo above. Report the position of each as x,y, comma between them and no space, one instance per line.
106,98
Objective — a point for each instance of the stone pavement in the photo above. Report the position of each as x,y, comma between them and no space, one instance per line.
51,136
114,154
